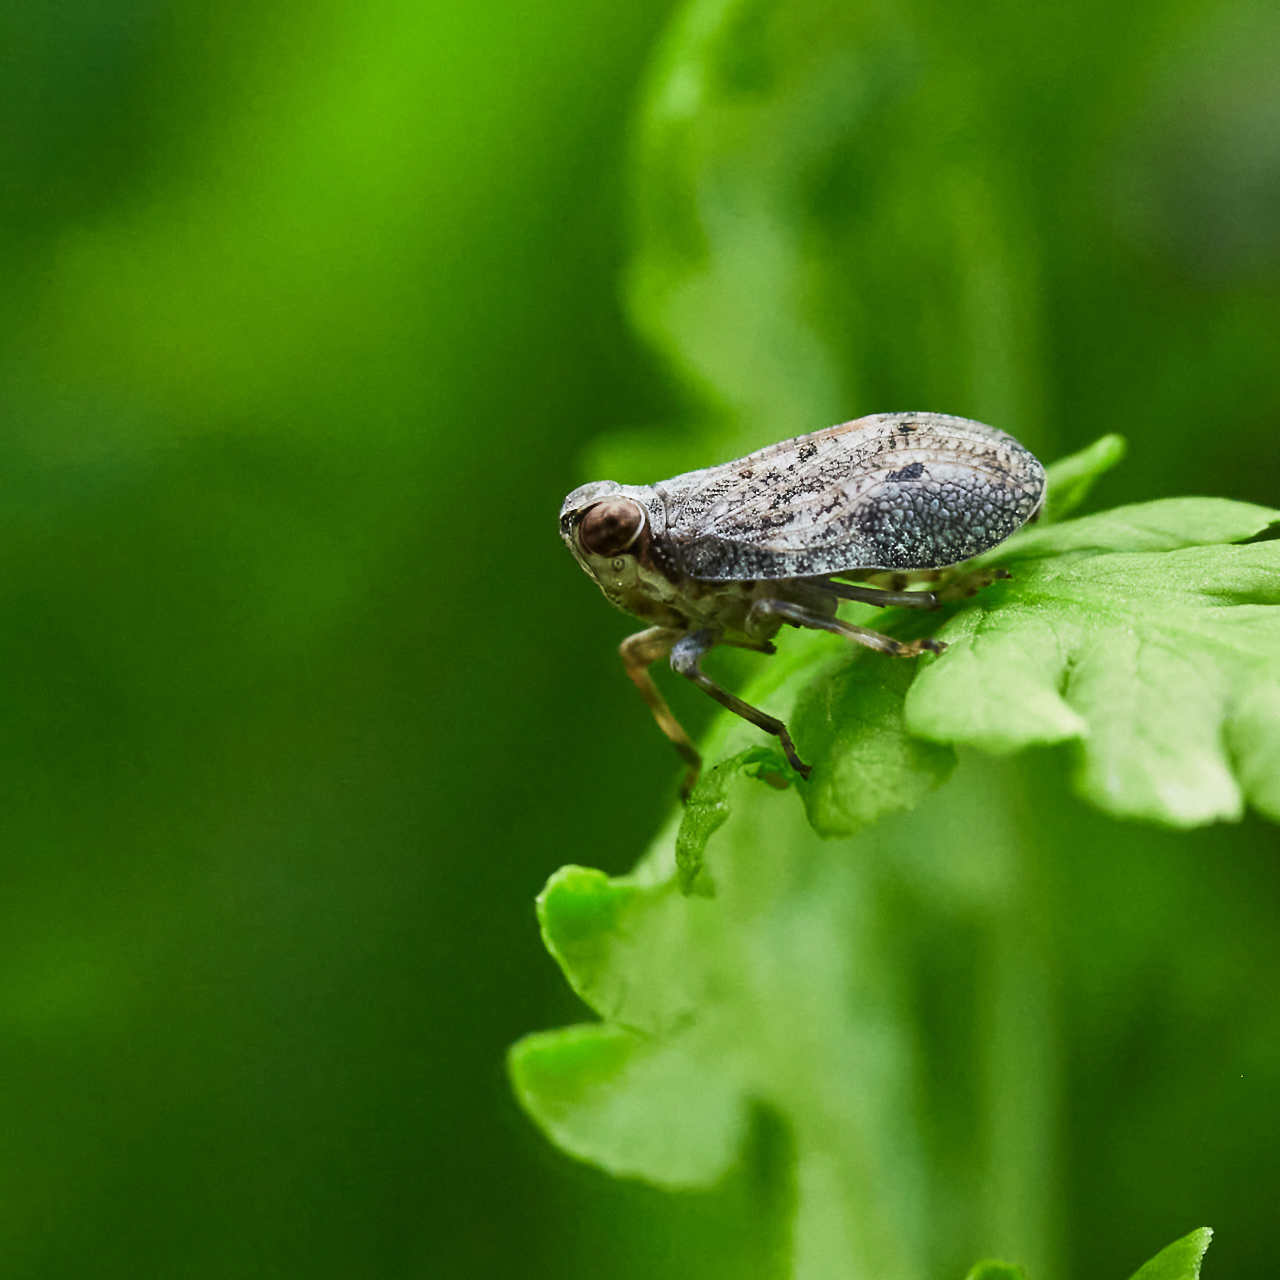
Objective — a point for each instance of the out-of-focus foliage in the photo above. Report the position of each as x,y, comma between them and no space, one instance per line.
307,325
1057,223
307,312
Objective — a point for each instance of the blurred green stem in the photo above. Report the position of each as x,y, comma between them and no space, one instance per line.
909,975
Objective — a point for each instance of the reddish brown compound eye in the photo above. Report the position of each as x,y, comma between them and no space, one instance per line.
610,526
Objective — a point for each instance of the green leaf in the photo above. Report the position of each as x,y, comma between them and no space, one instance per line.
1070,479
793,990
616,940
866,765
1164,525
708,809
628,1104
1180,1261
1144,634
641,1095
996,1271
1164,666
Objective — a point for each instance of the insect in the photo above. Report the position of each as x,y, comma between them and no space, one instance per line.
730,554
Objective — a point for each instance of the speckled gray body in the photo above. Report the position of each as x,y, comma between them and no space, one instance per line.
729,554
893,491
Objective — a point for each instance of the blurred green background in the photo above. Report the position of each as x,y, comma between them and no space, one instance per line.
310,315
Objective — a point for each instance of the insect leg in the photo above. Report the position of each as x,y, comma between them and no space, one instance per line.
688,652
639,653
799,616
892,579
878,595
961,583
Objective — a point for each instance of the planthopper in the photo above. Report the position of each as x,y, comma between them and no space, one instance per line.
863,511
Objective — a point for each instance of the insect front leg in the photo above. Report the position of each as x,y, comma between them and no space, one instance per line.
688,652
799,616
639,653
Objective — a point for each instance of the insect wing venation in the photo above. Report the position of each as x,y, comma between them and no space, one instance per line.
893,491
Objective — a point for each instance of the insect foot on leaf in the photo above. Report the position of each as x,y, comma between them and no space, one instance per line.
687,653
966,584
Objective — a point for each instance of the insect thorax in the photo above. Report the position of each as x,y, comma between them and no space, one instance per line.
634,584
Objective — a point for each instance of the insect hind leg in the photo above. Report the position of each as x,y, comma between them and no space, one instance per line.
686,655
883,597
799,616
954,582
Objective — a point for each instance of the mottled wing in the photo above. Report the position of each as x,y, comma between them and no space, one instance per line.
891,491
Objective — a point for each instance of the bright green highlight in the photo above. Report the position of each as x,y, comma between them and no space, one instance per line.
996,1271
633,1107
1180,1261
